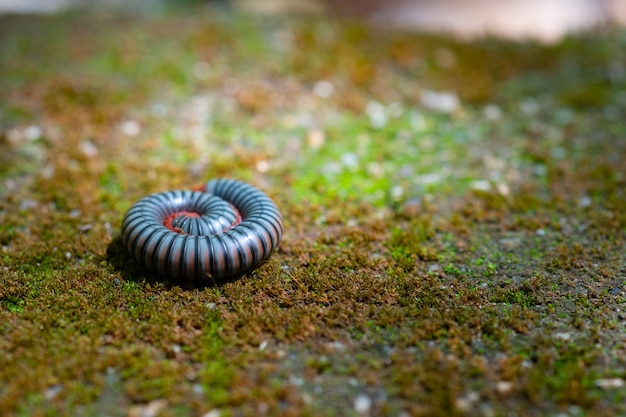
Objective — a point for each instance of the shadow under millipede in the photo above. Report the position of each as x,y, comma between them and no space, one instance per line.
129,270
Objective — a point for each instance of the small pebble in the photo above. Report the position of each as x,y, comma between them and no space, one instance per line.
565,336
443,101
336,346
53,391
350,160
397,191
429,179
130,128
529,106
323,89
584,202
492,112
510,242
610,383
466,402
88,149
33,132
151,409
296,380
504,387
262,166
28,204
503,189
376,113
315,138
362,404
480,185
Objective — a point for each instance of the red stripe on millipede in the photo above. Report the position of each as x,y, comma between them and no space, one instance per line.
169,219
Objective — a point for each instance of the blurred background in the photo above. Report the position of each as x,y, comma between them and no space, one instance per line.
543,20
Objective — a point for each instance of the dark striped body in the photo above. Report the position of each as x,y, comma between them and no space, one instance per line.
224,230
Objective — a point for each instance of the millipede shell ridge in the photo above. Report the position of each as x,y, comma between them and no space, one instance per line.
225,229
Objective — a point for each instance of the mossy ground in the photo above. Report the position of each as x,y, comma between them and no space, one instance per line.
462,263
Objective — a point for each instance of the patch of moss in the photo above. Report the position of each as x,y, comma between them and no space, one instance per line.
465,263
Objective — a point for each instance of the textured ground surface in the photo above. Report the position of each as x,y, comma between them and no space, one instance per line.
454,216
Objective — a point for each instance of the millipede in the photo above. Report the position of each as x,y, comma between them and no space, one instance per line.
221,229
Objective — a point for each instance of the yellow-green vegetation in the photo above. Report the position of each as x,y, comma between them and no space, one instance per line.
466,260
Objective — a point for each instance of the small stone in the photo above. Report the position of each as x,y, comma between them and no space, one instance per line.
529,106
375,169
149,410
130,128
88,149
395,109
262,166
584,202
335,346
607,383
323,89
504,387
564,336
510,242
480,185
28,204
430,178
492,112
466,402
33,132
443,101
397,191
503,189
376,113
53,391
350,160
316,138
362,404
297,381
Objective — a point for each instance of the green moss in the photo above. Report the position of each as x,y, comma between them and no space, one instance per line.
441,264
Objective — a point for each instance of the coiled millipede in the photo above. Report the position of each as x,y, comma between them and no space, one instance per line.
224,229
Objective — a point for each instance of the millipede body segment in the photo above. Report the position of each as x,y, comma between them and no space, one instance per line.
226,228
